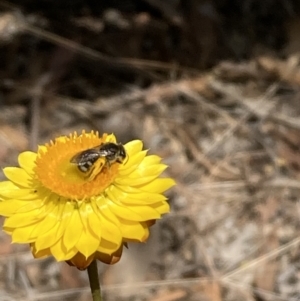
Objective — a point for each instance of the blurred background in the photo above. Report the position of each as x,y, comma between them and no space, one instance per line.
212,86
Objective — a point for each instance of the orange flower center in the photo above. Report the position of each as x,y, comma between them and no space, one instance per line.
56,172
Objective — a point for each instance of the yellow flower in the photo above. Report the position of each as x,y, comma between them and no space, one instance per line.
52,205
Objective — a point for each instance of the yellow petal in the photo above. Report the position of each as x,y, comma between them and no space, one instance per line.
134,213
147,161
125,170
136,190
133,230
64,216
121,210
19,176
49,222
94,225
85,211
87,244
133,147
134,160
47,239
158,185
10,207
73,230
8,185
22,219
27,161
24,234
6,208
21,193
151,160
39,254
136,181
109,230
147,212
137,198
60,253
107,213
162,207
28,206
148,170
108,247
91,234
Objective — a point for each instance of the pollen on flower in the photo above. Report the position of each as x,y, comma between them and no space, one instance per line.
55,171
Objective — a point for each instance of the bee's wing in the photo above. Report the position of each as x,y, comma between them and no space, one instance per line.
77,158
84,156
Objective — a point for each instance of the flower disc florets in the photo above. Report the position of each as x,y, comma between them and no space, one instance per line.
55,171
61,211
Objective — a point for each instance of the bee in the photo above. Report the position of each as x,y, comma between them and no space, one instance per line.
93,160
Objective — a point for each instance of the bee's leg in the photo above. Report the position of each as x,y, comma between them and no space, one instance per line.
96,169
89,174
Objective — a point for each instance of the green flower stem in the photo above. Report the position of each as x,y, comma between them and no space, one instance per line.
94,281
